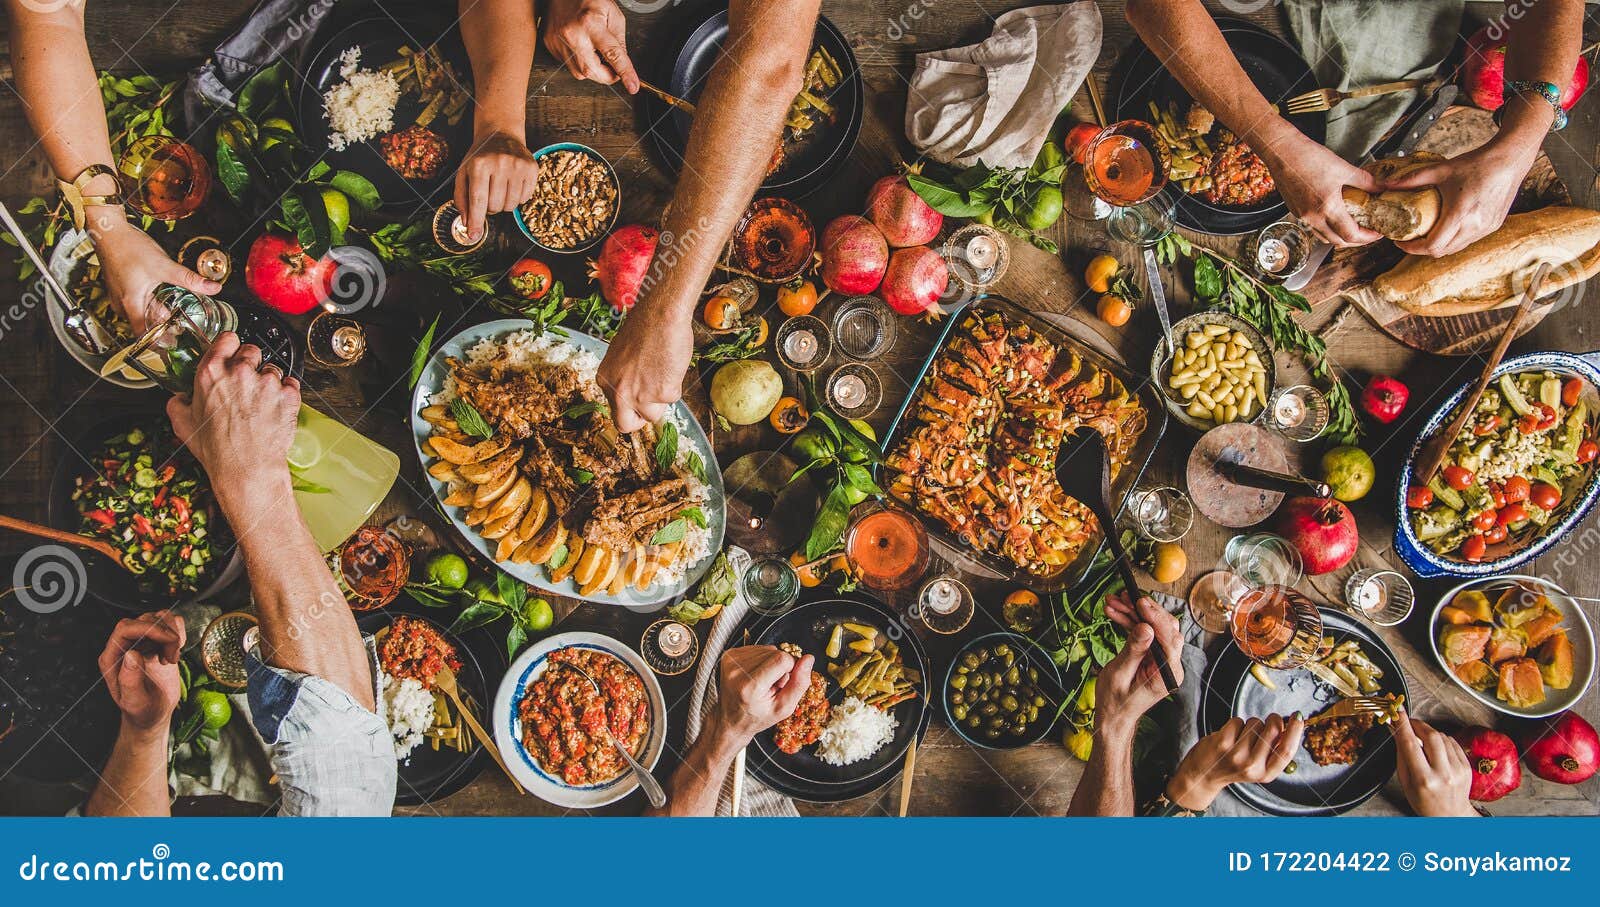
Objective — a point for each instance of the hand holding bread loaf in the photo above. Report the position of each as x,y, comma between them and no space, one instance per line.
1399,214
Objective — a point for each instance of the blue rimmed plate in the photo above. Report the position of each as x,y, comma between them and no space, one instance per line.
530,666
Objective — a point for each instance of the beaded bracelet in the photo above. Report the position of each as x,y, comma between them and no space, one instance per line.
1546,90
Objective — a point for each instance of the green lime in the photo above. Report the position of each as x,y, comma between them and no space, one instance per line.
986,218
339,209
305,451
811,445
1049,156
1349,472
1045,210
447,570
233,134
278,123
852,455
215,706
482,590
538,614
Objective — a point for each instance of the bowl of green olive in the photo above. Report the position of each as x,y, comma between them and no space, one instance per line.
1001,692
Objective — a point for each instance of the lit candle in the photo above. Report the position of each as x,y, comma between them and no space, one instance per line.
1372,595
849,391
941,596
674,640
349,342
1272,254
1289,411
214,264
982,252
801,347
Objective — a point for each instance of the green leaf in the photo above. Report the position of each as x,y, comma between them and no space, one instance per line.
944,199
427,597
232,174
666,445
859,478
695,464
358,187
259,93
586,407
582,476
1207,280
419,356
513,592
304,485
831,521
672,532
694,515
479,615
470,420
516,638
298,219
686,611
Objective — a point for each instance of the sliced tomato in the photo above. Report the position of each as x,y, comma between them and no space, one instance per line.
1487,426
1547,416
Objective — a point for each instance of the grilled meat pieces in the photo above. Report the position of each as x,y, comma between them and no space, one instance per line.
618,522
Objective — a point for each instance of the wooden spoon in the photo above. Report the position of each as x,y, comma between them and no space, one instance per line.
1433,454
70,538
906,775
445,682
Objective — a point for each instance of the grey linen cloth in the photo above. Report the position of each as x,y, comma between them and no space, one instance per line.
1357,43
757,799
994,102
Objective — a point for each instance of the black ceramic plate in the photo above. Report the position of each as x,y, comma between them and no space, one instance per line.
1277,70
106,582
428,774
810,165
802,775
380,40
1313,790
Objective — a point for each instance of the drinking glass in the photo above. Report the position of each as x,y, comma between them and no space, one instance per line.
1383,597
1123,166
1299,412
1162,513
1144,223
863,328
1276,626
1252,562
886,546
163,178
771,585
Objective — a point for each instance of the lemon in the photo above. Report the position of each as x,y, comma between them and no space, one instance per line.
338,207
1080,743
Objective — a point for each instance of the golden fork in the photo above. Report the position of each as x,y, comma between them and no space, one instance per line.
667,98
1321,99
1351,707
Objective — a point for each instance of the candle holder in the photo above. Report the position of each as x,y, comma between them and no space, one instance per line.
334,341
1382,597
669,647
854,391
1277,251
802,343
205,256
450,231
978,256
1299,413
863,328
944,605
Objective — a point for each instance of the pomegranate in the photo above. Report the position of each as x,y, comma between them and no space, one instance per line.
897,210
284,277
917,277
1565,750
624,260
854,255
1495,770
1483,75
1323,530
1384,398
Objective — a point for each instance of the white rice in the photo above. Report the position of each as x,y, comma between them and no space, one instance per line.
362,106
408,708
526,349
855,731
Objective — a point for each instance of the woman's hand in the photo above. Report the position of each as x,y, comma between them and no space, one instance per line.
589,38
1240,752
1476,191
134,266
497,175
1311,180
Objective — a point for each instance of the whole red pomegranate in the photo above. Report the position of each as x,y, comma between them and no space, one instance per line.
1495,770
1564,750
917,277
897,210
284,277
1323,530
1384,398
623,262
854,255
1483,74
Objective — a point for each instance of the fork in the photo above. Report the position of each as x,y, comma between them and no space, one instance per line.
1320,99
1351,707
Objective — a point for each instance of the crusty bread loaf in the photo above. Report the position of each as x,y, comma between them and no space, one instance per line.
1494,271
1399,214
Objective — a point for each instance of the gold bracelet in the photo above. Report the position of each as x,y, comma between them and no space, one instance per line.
77,201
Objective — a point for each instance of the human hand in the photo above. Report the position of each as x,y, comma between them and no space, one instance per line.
134,265
642,373
497,175
1240,752
1131,683
239,422
140,668
1433,769
760,686
589,38
1476,191
1311,180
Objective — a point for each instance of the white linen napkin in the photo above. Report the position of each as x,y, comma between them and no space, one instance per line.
994,102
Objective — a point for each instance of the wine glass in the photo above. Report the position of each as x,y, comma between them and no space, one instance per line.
1272,625
164,178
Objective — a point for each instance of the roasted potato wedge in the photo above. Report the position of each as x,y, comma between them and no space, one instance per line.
491,470
516,499
610,564
452,450
543,546
647,572
506,547
445,471
619,577
495,529
485,495
574,543
439,416
533,520
476,515
427,447
592,560
460,496
636,564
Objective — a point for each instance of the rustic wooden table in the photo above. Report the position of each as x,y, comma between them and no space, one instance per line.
46,395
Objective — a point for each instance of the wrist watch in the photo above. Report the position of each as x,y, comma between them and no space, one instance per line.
77,201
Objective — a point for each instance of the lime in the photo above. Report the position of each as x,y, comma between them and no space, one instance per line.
233,134
538,614
1349,472
447,570
305,451
275,123
811,445
1049,156
482,590
215,706
1045,210
339,209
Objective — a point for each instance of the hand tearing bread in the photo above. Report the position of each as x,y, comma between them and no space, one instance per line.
1400,214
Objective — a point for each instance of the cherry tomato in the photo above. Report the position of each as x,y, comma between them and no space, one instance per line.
1517,488
1497,494
1528,424
1571,390
1472,549
1459,477
1494,535
1587,451
1547,415
1419,497
1484,520
1545,496
1513,513
1487,426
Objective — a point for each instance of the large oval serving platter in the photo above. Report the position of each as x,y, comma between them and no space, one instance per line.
689,432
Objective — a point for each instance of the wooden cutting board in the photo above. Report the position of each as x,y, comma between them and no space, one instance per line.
1348,273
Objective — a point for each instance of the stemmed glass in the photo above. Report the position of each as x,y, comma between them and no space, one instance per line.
1123,167
1253,602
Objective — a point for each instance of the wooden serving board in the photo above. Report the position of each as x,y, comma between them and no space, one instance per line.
1348,273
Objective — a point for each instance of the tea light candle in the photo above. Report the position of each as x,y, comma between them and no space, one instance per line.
1272,255
1289,411
214,264
1372,595
850,391
801,347
982,252
942,595
674,639
349,342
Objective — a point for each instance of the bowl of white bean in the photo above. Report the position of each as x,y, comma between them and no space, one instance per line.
1214,368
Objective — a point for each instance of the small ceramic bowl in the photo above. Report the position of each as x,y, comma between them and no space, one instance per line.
616,207
1161,363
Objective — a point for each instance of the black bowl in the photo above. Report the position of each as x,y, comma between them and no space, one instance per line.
1049,679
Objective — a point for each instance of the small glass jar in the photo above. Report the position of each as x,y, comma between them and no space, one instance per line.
1162,513
450,231
669,647
771,586
1383,597
334,341
863,328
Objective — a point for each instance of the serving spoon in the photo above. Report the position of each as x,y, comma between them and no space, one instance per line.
71,538
652,788
89,333
1083,470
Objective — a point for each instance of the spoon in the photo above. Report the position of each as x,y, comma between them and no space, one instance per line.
652,789
89,333
1083,470
71,538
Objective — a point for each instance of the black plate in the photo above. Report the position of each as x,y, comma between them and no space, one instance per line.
1049,679
802,775
429,775
811,165
106,582
1313,790
380,40
1277,70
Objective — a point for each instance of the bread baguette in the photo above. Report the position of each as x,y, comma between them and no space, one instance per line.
1399,214
1493,271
